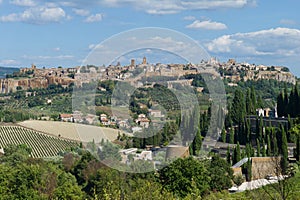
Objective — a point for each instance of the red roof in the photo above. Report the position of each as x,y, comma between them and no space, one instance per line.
65,115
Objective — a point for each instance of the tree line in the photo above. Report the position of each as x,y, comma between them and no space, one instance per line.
288,104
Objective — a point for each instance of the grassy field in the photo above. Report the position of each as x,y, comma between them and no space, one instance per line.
72,131
42,145
120,112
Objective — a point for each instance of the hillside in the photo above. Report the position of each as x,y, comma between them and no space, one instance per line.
7,70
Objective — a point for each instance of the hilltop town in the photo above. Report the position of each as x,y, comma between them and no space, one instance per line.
232,71
39,110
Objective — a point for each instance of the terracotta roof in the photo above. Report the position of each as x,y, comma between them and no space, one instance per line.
65,115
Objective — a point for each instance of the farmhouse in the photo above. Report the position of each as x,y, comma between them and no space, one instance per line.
143,121
66,117
103,117
261,167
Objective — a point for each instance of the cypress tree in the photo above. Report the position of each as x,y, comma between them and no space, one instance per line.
243,154
280,105
248,102
238,110
228,119
254,101
291,104
284,150
249,170
289,126
256,127
237,154
258,148
238,151
223,135
197,143
285,102
275,146
263,149
259,128
259,102
248,150
231,136
233,156
191,149
269,152
228,156
248,131
297,154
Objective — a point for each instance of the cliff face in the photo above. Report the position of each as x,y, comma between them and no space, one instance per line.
275,75
10,85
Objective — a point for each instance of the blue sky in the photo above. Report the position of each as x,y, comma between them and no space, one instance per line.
62,33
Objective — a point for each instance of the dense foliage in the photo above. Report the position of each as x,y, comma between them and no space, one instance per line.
78,175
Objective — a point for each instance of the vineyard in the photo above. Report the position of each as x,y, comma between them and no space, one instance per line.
42,145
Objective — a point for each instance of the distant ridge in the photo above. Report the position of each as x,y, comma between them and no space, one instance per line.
7,70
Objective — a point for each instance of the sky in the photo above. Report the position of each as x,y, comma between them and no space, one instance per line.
63,33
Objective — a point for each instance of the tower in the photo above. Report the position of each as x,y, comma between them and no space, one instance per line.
132,62
144,61
33,67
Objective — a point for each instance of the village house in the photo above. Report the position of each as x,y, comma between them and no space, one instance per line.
155,113
143,121
77,116
103,117
261,167
66,117
125,155
123,124
267,112
90,118
105,122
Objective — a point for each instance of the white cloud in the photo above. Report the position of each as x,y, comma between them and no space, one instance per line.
0,1
287,22
278,42
23,2
37,15
175,6
56,49
215,4
81,12
208,25
59,57
161,12
9,62
189,18
94,18
160,7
